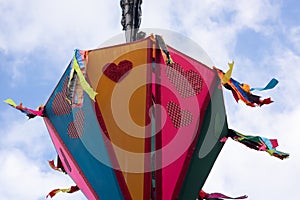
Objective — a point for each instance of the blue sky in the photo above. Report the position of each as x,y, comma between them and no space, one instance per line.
37,39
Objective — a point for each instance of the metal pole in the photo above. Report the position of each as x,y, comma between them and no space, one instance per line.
131,18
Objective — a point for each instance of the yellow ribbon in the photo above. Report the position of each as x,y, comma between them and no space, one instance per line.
10,102
85,85
227,75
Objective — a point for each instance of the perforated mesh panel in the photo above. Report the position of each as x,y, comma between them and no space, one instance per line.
178,117
75,128
60,105
188,83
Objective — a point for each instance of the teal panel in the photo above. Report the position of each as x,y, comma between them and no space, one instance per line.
83,140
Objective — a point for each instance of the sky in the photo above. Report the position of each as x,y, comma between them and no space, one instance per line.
37,39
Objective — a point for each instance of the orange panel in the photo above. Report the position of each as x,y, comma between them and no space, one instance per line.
123,99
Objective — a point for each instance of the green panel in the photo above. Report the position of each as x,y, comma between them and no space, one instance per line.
208,147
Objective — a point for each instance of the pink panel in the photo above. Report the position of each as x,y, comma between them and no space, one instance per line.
184,94
68,162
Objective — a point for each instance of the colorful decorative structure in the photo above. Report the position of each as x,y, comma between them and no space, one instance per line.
142,121
107,124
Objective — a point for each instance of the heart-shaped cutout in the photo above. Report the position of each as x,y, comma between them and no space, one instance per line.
188,83
117,72
75,128
179,117
60,105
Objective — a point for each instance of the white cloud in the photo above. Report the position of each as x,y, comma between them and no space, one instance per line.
23,178
255,14
240,170
25,150
294,36
215,25
285,62
57,25
53,30
13,70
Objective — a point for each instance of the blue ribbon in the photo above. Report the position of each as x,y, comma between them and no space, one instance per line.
270,85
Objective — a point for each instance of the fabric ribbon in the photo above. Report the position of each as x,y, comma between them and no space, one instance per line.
162,45
241,91
72,189
269,86
58,167
30,113
227,75
257,143
76,71
208,196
